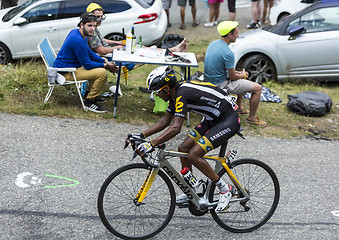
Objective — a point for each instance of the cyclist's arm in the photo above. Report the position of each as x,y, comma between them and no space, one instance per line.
164,122
171,132
235,75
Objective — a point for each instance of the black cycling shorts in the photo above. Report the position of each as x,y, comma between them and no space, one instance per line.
212,134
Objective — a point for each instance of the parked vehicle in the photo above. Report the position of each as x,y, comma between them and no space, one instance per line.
284,8
303,46
23,27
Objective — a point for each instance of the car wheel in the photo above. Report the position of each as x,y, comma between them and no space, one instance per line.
115,37
259,68
5,54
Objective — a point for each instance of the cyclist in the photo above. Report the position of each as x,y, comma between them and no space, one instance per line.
220,123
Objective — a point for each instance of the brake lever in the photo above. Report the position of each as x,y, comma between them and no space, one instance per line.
127,141
134,154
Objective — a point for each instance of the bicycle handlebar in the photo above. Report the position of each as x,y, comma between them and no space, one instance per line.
135,142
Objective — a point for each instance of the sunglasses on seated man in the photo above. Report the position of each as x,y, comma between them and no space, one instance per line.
101,18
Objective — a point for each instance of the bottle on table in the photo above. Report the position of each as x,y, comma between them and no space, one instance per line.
129,42
134,40
123,38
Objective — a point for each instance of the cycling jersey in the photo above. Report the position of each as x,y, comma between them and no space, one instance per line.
221,121
203,98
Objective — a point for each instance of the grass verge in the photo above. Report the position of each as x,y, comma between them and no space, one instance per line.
23,86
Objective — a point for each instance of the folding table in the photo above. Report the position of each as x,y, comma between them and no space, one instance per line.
120,56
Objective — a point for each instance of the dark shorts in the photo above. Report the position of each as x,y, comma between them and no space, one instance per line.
183,3
231,6
212,134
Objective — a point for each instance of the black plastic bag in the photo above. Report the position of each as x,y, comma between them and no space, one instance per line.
171,40
310,103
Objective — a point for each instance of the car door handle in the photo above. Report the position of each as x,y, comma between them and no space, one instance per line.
51,29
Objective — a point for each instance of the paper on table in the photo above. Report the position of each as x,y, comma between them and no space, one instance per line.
148,52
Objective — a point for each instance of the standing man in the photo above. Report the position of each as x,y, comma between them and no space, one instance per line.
256,13
231,10
166,4
182,4
75,53
268,4
219,70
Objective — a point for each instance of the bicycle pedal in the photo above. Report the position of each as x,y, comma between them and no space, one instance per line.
183,205
207,207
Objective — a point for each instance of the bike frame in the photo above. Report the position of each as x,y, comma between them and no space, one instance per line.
202,203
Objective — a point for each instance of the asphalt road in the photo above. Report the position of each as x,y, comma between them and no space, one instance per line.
52,169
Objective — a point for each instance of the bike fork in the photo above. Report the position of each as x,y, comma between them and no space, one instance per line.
146,186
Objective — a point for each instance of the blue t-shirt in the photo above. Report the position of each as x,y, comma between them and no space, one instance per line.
218,58
75,53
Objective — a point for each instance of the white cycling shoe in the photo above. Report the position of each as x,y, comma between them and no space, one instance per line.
224,199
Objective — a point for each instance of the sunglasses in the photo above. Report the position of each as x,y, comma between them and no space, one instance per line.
101,18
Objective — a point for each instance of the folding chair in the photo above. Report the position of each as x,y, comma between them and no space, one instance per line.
48,56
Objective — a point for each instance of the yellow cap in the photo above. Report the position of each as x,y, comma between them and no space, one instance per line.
93,6
226,26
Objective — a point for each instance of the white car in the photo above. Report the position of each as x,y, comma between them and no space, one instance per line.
303,46
285,8
23,27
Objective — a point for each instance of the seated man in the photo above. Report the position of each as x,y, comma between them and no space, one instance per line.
103,46
97,42
219,70
75,53
221,122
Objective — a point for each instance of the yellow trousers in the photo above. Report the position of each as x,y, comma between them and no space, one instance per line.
97,78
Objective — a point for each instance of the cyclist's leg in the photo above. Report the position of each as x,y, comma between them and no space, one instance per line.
195,157
192,138
185,146
223,129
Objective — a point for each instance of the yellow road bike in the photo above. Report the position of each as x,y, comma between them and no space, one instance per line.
138,200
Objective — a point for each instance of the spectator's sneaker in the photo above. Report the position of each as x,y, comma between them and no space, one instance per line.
99,99
256,122
182,199
253,25
209,24
92,106
215,23
224,199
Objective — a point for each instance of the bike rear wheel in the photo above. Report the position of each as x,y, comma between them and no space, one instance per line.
119,213
262,185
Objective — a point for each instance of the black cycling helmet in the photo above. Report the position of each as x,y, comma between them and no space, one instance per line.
160,77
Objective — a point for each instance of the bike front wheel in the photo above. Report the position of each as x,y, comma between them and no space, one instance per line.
262,185
117,208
